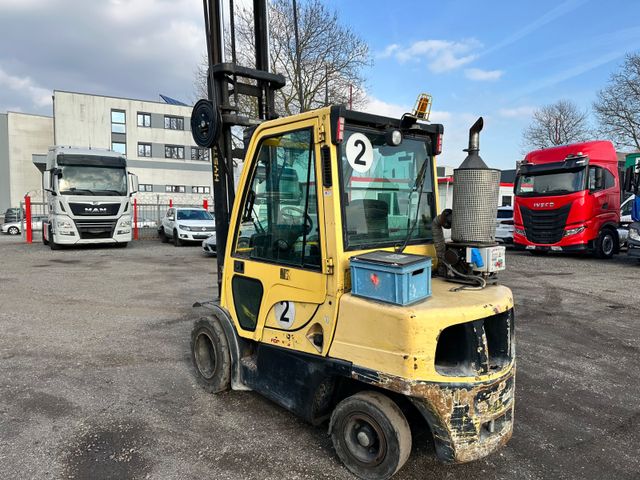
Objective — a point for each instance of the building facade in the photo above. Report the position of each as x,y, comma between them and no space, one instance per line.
154,136
21,135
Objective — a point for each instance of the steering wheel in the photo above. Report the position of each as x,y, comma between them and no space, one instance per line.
295,213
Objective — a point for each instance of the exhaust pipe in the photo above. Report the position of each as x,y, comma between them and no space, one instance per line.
473,160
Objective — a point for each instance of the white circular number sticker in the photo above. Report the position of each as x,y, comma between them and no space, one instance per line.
359,152
285,314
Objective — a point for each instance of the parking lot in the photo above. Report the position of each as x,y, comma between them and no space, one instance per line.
96,381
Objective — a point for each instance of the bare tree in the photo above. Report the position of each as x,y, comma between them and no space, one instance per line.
557,124
618,105
331,56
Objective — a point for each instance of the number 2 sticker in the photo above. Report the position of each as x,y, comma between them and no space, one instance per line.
359,152
285,314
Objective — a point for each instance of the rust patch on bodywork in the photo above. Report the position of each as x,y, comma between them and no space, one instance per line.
468,421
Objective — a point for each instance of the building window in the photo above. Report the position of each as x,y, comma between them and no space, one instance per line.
200,154
174,188
119,147
118,121
173,123
145,187
173,151
506,200
144,119
144,149
206,190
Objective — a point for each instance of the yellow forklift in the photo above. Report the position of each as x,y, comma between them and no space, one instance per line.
338,296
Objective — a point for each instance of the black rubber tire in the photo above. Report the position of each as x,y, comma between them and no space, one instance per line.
176,241
383,423
13,231
53,245
44,239
163,236
122,245
605,244
539,253
210,355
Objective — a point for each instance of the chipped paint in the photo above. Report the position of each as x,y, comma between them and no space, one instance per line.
458,413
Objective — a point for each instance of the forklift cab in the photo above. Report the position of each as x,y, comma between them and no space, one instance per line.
317,189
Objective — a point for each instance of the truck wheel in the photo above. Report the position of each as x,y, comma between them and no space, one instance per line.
52,245
605,244
163,236
176,241
371,435
122,245
45,228
210,355
13,231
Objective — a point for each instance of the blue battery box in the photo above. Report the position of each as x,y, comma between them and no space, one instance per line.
398,278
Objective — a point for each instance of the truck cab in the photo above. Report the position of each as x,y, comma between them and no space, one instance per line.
88,197
567,199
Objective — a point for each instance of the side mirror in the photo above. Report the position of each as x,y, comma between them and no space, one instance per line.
133,183
56,172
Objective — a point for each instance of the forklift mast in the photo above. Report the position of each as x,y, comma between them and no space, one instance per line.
212,119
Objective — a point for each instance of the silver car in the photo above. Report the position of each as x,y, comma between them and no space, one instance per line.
504,225
14,228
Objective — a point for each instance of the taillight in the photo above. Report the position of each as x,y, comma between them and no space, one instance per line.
340,130
438,144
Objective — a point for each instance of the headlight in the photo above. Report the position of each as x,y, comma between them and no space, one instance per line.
573,231
125,221
184,227
64,224
519,231
634,234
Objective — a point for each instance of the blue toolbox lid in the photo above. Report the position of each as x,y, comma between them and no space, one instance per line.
382,257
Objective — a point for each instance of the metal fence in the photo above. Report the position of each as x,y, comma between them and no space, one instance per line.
148,217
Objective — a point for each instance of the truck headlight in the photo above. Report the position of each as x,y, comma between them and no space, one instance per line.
519,231
64,223
573,231
125,221
184,227
634,234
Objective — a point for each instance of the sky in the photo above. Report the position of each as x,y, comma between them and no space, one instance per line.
498,59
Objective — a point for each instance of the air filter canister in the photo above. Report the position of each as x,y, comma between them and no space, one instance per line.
475,205
475,195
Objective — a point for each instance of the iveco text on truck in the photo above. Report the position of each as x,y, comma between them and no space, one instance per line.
567,199
88,195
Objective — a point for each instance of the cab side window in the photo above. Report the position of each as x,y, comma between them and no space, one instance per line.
280,212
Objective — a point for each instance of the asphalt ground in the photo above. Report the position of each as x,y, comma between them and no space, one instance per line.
96,380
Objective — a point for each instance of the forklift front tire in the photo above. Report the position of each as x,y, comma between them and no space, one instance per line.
371,435
210,355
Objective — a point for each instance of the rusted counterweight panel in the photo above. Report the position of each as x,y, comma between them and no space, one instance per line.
468,421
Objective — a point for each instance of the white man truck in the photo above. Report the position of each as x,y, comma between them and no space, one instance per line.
89,197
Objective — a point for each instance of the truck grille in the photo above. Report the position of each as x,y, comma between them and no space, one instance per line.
545,226
476,348
89,209
90,229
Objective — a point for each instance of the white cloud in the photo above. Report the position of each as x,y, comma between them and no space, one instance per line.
41,97
517,112
441,55
480,75
379,107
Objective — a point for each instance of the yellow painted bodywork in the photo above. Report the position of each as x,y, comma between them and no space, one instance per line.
396,340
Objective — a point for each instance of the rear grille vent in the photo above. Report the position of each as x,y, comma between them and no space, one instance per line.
476,348
545,226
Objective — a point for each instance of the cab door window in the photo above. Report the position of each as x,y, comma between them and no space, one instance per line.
280,211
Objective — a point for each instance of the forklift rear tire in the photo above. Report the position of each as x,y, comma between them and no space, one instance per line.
210,355
371,435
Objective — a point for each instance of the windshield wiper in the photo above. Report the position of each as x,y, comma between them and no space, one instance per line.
422,175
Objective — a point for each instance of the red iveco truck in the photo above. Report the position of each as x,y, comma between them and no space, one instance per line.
567,199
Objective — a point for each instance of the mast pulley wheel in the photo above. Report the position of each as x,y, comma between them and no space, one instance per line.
206,123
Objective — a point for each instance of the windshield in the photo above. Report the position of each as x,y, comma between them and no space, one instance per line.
85,180
557,183
381,198
194,215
